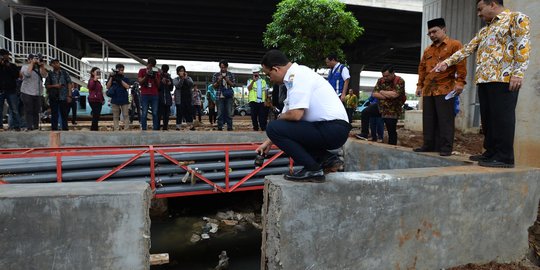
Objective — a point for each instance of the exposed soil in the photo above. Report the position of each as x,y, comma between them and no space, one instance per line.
497,266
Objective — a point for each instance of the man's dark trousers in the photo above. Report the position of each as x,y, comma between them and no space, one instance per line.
307,143
391,128
58,106
438,123
370,111
498,116
73,108
259,115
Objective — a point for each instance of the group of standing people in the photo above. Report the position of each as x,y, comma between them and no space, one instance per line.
502,56
157,92
310,124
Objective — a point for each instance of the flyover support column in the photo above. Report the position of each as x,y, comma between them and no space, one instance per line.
461,24
527,136
354,82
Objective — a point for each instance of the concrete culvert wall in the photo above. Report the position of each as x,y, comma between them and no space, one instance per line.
75,226
365,156
405,210
92,138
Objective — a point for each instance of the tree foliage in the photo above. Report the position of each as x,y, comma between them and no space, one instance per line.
308,30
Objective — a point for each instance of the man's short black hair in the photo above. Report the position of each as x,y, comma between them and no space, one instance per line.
152,61
387,67
274,58
332,57
487,2
165,67
119,66
224,62
178,68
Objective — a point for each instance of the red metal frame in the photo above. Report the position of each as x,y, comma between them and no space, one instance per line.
138,151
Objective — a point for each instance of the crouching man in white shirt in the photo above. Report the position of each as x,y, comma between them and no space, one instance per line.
312,122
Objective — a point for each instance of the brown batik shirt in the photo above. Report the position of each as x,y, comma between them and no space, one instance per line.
440,83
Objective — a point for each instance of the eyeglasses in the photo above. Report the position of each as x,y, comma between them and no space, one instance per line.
267,73
434,31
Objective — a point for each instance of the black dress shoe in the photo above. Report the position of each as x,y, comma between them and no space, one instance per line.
478,158
495,164
332,164
304,175
423,149
445,153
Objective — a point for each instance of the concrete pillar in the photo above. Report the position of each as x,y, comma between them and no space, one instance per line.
527,138
2,25
461,24
354,82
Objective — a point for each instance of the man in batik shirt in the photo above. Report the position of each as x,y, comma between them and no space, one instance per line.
390,90
502,56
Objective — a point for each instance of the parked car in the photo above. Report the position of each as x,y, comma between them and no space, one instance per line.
242,110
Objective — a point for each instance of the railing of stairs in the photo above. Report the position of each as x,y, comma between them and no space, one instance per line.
77,68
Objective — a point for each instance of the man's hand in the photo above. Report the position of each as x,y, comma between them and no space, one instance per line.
264,148
418,91
459,89
440,67
343,97
515,83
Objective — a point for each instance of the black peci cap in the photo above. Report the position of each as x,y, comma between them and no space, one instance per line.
436,22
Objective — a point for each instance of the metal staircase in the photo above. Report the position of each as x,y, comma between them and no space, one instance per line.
78,69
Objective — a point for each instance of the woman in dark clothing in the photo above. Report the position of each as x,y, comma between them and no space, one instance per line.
95,97
182,97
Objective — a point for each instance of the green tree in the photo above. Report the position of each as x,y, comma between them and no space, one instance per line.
308,30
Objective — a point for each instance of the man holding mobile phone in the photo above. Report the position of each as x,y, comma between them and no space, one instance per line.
59,85
224,81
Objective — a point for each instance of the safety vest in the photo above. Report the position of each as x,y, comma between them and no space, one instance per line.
336,80
252,96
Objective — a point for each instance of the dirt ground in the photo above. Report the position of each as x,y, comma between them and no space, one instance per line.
497,266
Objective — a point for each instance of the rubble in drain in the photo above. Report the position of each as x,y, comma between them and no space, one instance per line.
224,223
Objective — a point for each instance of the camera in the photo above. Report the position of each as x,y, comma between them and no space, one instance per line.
39,56
151,73
114,73
259,160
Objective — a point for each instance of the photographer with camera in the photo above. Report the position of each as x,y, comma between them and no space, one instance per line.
95,97
165,98
183,97
32,88
59,85
118,86
149,79
8,89
224,82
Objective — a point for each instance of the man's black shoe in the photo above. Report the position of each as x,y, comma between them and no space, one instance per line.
478,158
495,164
361,136
220,128
332,164
423,149
306,176
445,153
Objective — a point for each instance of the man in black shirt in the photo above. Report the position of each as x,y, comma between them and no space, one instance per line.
8,89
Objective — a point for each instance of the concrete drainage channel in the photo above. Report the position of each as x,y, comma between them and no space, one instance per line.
391,209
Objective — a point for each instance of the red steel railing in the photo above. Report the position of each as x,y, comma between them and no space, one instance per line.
139,150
